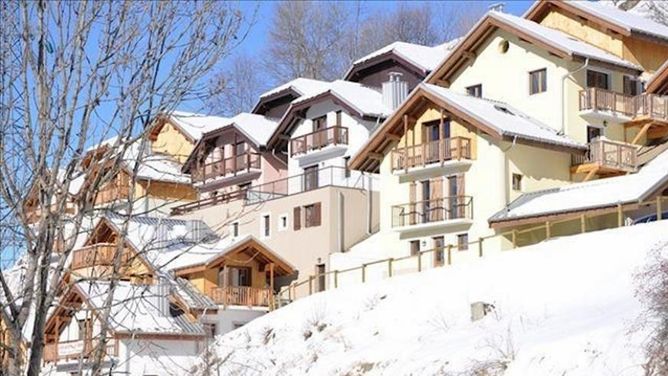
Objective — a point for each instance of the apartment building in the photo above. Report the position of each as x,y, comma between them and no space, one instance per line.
470,141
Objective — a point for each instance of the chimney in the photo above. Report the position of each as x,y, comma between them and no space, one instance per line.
160,293
394,91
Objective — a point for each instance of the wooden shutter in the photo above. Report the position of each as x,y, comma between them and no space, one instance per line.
435,195
297,218
461,201
460,185
317,213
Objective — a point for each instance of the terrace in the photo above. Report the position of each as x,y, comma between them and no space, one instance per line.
430,155
434,213
606,157
245,167
324,140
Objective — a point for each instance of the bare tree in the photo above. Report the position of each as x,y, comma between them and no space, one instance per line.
237,88
653,292
304,40
72,73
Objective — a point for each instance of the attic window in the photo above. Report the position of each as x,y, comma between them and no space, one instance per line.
504,45
503,109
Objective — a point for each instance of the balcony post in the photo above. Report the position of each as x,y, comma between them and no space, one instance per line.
547,230
406,141
583,224
449,254
620,215
441,142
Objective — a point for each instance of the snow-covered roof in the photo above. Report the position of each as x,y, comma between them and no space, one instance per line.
256,127
138,308
424,57
503,118
363,99
153,166
566,42
303,86
633,20
194,124
594,194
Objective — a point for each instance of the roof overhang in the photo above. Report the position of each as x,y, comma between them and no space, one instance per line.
389,57
658,84
370,155
296,110
278,98
465,51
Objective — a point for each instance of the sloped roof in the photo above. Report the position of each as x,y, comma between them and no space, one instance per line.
568,43
302,86
257,128
358,100
658,83
606,14
424,58
135,309
554,41
495,118
591,195
194,124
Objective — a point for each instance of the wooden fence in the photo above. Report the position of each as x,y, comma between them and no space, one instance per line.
318,282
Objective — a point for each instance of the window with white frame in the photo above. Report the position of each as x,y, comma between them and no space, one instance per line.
265,226
282,222
234,229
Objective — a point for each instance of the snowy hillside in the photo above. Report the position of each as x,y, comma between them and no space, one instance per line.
563,307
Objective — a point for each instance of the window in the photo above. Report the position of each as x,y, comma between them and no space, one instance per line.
504,46
631,86
235,229
517,182
463,242
593,133
474,91
310,178
537,81
597,79
239,276
283,222
320,271
266,225
312,215
319,123
82,325
338,118
415,247
346,161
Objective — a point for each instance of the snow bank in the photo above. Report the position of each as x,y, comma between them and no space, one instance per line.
563,307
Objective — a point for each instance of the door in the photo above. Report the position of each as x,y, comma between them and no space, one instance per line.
240,155
310,178
433,137
320,272
239,276
439,256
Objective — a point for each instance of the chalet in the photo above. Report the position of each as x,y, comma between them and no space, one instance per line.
234,156
146,325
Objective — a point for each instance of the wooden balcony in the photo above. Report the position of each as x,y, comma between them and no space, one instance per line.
59,351
227,167
242,296
631,108
101,254
606,157
432,211
334,135
423,155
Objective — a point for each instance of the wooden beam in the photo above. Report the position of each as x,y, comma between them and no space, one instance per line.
591,174
393,136
657,132
642,132
376,156
469,55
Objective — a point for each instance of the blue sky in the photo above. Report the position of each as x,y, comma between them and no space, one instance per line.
258,35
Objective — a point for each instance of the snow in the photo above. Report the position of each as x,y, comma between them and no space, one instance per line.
564,41
303,86
424,57
256,127
136,308
589,195
561,307
365,100
502,117
636,20
195,125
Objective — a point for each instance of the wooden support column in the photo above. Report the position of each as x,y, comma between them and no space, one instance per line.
419,261
336,279
363,273
271,277
449,254
406,141
310,285
441,140
620,215
583,224
514,238
480,246
548,233
389,267
659,210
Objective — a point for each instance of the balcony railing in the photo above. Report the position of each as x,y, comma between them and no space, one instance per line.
56,351
609,154
335,135
326,176
97,254
226,167
435,210
431,152
631,106
242,296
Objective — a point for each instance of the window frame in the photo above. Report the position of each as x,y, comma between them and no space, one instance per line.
541,82
283,218
474,88
517,187
235,229
265,225
607,74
